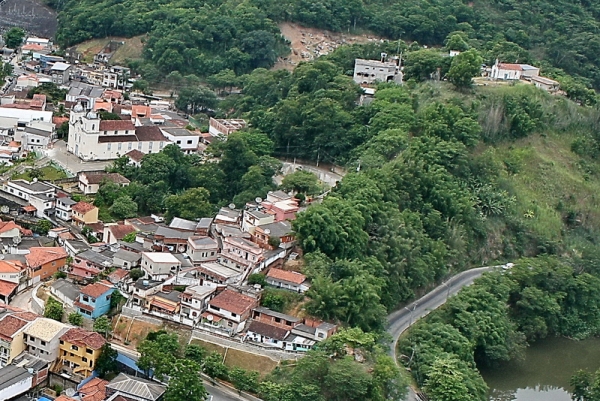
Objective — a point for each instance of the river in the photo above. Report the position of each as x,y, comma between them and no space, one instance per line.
545,372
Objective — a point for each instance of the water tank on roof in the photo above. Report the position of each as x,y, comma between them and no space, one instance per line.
146,283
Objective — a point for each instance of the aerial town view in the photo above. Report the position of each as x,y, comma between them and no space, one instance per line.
299,200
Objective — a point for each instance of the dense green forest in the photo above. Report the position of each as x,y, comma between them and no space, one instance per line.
203,38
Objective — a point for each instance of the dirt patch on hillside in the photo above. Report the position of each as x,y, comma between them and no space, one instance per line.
130,49
309,43
31,15
131,332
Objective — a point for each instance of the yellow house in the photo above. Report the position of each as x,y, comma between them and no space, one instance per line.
84,213
12,324
79,350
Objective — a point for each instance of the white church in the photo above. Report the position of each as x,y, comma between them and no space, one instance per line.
93,139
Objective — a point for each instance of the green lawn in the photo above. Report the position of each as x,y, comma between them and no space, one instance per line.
48,173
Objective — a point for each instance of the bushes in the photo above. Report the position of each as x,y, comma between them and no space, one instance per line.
53,309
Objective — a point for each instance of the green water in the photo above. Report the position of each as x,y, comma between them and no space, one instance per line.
545,372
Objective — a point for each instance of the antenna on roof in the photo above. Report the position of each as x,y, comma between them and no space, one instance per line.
16,240
232,205
267,231
258,200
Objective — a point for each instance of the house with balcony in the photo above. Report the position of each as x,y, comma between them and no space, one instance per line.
79,350
94,300
160,265
254,218
42,338
63,208
13,323
228,311
194,301
186,140
240,254
143,289
283,209
202,249
164,303
219,274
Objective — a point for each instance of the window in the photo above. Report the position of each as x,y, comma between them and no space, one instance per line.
116,132
189,141
126,132
150,145
108,145
277,320
178,142
74,348
161,145
233,314
61,342
89,351
139,145
105,132
119,146
320,335
43,342
129,145
86,298
84,359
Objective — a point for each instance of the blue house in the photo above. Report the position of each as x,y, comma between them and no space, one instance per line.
94,300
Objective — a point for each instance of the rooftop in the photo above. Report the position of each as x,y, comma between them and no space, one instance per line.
83,338
161,257
267,330
83,207
269,312
127,256
96,177
11,375
202,242
144,284
278,229
117,125
135,155
70,290
183,224
136,387
39,256
97,289
285,275
32,186
233,302
45,329
217,269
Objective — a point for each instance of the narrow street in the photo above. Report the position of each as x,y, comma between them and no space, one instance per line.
23,300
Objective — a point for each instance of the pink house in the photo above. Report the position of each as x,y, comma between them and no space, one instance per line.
283,210
82,270
239,253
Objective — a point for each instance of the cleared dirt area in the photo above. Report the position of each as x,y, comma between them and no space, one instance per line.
130,50
309,43
127,330
241,359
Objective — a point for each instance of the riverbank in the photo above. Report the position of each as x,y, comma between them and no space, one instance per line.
544,373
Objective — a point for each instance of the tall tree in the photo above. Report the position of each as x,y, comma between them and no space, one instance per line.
107,361
185,383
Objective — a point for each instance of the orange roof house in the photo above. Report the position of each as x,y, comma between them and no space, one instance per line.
288,280
43,262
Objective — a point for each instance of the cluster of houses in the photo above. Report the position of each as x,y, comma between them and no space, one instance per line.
524,72
36,352
194,273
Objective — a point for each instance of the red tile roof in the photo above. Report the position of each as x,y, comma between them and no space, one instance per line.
9,225
234,302
7,288
97,289
98,177
116,125
82,207
149,133
83,306
285,275
135,155
84,338
94,390
507,66
9,326
119,231
39,256
11,266
119,274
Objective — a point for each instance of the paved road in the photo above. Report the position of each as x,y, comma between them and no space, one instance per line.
23,300
399,321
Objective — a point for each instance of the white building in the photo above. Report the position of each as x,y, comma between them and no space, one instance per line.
26,116
229,310
367,72
202,249
288,280
93,139
116,77
33,139
63,208
60,73
510,72
14,381
194,300
160,265
24,189
42,338
185,139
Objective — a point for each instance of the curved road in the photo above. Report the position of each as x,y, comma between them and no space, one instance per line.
399,321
